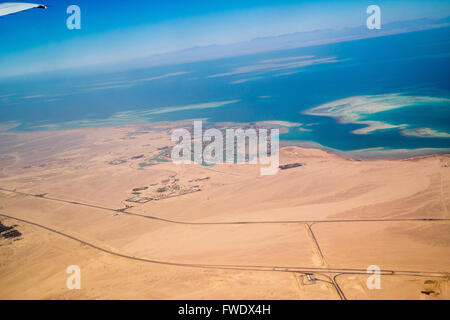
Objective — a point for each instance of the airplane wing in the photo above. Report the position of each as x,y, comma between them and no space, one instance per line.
13,7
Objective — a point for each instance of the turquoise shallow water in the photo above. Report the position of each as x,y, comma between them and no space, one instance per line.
413,64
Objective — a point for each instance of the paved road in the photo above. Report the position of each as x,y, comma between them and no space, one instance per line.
335,272
300,269
125,211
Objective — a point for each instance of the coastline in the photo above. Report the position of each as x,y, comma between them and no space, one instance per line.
88,184
367,154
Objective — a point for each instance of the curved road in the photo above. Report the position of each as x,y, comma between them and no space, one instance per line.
300,269
297,269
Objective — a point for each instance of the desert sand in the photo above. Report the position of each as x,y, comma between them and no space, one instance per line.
82,197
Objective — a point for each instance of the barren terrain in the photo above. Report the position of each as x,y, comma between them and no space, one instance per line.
141,227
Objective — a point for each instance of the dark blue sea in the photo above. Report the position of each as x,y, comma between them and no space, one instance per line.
267,86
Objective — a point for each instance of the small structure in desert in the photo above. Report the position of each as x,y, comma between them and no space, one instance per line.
311,278
290,165
139,199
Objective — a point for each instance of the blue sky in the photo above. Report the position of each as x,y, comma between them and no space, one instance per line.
38,40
